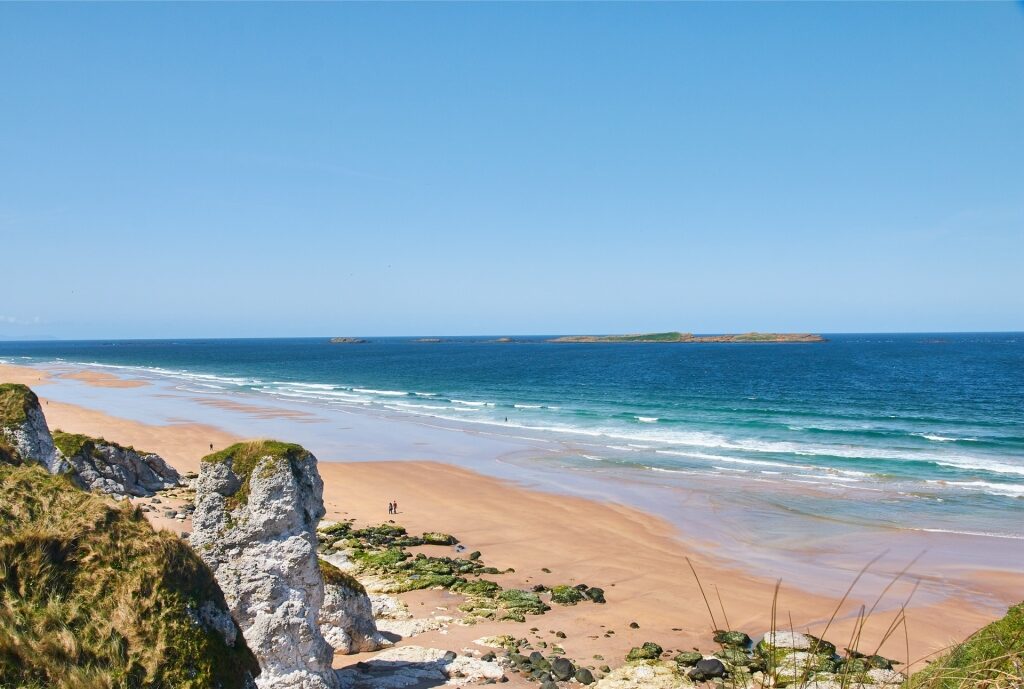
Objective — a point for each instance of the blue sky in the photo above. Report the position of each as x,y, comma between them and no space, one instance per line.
321,169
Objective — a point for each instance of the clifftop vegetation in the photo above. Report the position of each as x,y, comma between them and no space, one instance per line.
92,596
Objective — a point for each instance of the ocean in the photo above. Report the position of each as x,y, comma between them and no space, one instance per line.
919,432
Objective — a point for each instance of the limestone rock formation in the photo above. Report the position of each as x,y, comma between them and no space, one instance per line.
346,616
112,468
24,434
257,509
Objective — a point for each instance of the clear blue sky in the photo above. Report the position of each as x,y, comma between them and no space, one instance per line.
340,169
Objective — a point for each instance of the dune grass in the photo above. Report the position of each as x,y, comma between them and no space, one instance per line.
91,597
15,401
991,658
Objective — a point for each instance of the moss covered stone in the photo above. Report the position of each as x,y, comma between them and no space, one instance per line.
437,538
648,651
94,597
566,595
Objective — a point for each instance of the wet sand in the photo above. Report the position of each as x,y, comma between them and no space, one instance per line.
639,559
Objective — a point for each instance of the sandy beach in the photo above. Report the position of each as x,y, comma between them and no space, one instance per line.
639,559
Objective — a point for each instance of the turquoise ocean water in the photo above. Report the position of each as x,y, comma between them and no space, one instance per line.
922,432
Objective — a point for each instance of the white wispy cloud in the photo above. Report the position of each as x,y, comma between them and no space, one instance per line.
15,320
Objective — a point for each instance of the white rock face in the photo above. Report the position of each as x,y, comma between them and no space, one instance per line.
645,675
793,640
412,627
346,620
117,470
261,547
415,666
31,438
387,607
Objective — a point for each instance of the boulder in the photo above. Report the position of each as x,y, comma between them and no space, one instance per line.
114,469
346,616
257,509
648,651
732,638
562,669
644,675
584,676
689,658
707,668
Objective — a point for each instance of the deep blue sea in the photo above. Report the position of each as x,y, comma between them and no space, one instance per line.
933,423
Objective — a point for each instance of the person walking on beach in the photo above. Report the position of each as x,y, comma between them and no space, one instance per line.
395,504
391,508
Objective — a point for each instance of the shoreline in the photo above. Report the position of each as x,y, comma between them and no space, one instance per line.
638,557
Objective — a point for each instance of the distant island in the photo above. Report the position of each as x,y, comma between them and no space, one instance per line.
691,338
347,340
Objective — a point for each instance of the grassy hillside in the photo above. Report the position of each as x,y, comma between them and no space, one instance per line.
92,597
992,657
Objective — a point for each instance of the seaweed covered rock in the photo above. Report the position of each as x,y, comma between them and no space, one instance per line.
346,616
24,435
648,651
115,469
93,596
566,595
257,509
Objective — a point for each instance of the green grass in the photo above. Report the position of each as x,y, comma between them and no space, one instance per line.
15,401
246,457
91,597
334,576
992,657
650,337
71,444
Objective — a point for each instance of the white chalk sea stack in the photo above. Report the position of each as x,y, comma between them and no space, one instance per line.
257,508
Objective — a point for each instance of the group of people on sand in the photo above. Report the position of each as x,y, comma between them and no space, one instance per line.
393,507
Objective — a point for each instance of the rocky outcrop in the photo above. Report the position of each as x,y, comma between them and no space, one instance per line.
24,435
257,509
346,616
111,468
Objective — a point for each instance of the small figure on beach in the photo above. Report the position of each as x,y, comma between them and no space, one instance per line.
391,508
395,505
211,447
